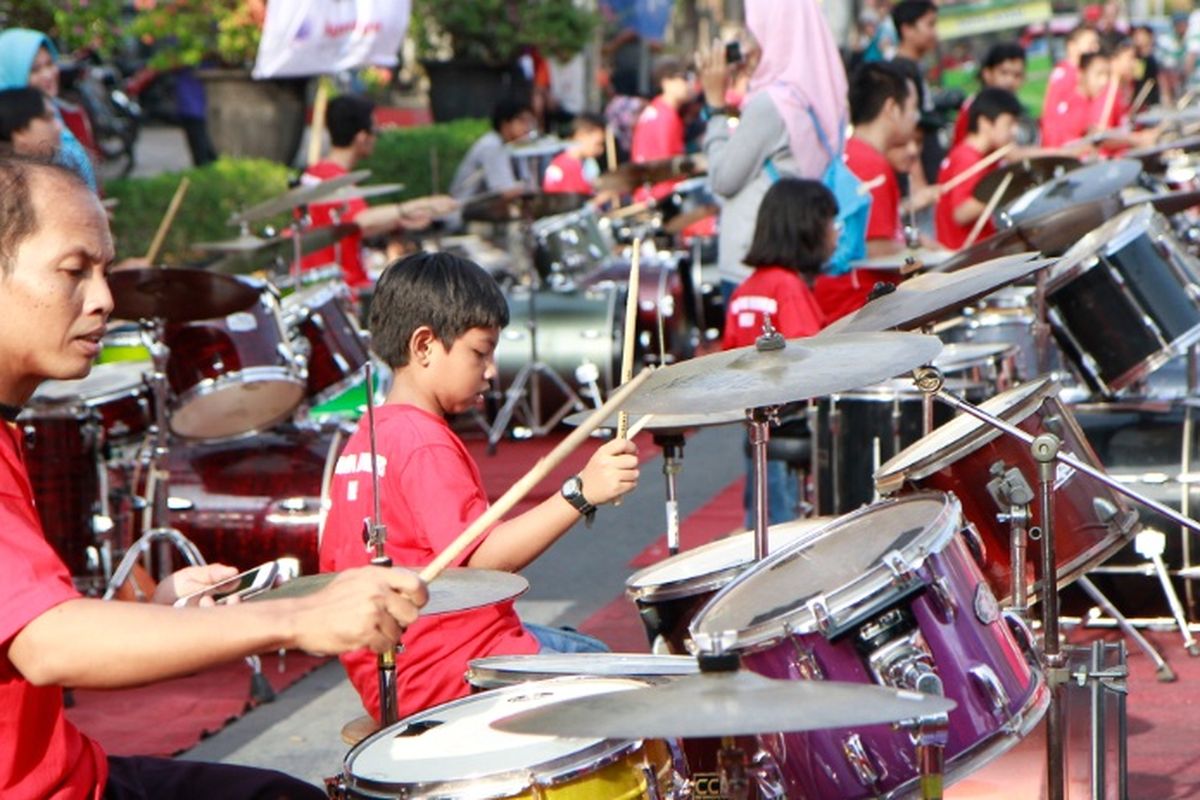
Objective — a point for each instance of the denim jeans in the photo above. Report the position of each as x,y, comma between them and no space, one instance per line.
564,640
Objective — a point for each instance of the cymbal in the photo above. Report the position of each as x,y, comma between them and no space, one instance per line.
347,193
1152,157
1026,174
249,253
748,378
537,148
455,589
1005,242
1174,116
936,294
495,207
630,176
898,262
1054,233
1093,182
178,294
1171,203
666,422
738,703
300,196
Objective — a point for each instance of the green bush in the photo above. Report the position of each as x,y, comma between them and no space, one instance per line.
402,155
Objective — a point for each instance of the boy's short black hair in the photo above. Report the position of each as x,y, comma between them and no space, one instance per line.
588,121
1000,52
991,103
792,228
347,116
508,108
666,68
18,108
870,87
448,293
907,12
1086,59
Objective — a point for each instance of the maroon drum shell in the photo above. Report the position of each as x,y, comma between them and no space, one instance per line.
252,501
206,350
336,346
1082,538
62,472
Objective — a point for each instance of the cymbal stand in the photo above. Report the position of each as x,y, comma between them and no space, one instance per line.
1185,462
526,388
1041,328
671,443
1010,489
759,421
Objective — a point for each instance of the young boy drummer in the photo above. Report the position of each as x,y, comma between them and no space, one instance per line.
435,321
55,250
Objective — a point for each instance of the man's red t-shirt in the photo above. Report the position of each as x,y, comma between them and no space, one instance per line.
777,291
42,755
431,491
565,174
323,215
949,232
871,166
658,134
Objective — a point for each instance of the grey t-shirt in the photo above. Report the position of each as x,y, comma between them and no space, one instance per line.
487,167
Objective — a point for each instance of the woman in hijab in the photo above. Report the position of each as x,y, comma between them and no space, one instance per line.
798,85
29,58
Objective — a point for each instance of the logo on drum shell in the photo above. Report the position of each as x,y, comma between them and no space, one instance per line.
987,610
707,785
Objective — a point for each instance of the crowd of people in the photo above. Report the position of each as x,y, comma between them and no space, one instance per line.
779,129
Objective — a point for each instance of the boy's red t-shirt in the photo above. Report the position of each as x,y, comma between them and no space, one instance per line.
658,134
871,165
949,232
42,755
430,491
777,291
565,174
323,215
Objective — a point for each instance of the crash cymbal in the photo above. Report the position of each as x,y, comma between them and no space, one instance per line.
1005,242
455,589
1157,156
1093,182
300,196
1026,174
1171,203
934,295
1054,233
246,243
256,253
666,422
495,207
748,378
738,703
1169,115
630,176
543,666
178,294
347,193
926,257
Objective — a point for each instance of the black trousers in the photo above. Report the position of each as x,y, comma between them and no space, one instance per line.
147,778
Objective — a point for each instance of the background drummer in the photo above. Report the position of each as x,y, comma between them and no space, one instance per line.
436,320
575,169
1062,91
488,165
28,124
1003,67
55,250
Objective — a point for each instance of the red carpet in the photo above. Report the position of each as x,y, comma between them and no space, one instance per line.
169,717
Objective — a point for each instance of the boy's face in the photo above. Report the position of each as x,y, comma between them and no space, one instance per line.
591,142
462,372
1008,75
1000,131
922,34
54,301
1086,42
904,156
904,118
1094,81
41,137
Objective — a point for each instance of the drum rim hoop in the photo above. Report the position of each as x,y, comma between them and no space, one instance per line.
493,668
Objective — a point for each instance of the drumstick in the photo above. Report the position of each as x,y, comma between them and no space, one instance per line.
984,163
637,427
1109,100
160,235
1147,87
610,148
988,210
629,210
531,479
871,185
1187,98
631,311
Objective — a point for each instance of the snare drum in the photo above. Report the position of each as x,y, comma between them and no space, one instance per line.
889,595
234,375
1091,521
668,594
322,323
1125,299
451,753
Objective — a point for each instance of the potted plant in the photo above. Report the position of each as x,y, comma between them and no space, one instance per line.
218,39
470,48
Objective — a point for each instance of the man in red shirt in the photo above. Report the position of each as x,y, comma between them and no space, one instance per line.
659,132
55,251
436,320
1003,67
883,110
1062,98
574,169
992,125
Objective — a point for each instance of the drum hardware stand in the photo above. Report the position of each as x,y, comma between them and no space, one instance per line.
1185,463
1162,669
529,377
588,375
760,420
814,470
671,443
1041,327
1150,545
1010,488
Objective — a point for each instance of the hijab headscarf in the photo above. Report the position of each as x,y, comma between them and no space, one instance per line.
18,48
800,68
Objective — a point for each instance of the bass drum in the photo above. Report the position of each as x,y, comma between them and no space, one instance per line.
243,502
575,329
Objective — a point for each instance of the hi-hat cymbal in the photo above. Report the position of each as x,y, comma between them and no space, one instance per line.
178,294
748,378
249,253
739,703
1093,182
630,176
1054,233
530,204
666,422
927,297
926,257
455,589
1026,174
300,196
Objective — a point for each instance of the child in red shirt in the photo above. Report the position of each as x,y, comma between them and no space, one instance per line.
793,236
436,320
1061,97
574,169
992,125
659,132
1003,67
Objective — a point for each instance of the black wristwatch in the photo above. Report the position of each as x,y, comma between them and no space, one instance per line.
572,492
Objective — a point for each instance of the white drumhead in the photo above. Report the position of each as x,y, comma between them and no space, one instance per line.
238,404
487,673
104,381
460,745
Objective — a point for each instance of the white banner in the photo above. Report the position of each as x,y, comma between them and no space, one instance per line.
315,37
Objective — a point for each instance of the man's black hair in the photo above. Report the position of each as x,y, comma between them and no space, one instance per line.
507,109
792,229
18,108
347,116
18,217
1000,52
448,293
907,12
870,87
990,104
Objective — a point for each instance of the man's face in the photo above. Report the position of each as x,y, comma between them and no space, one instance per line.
41,137
54,299
1008,75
